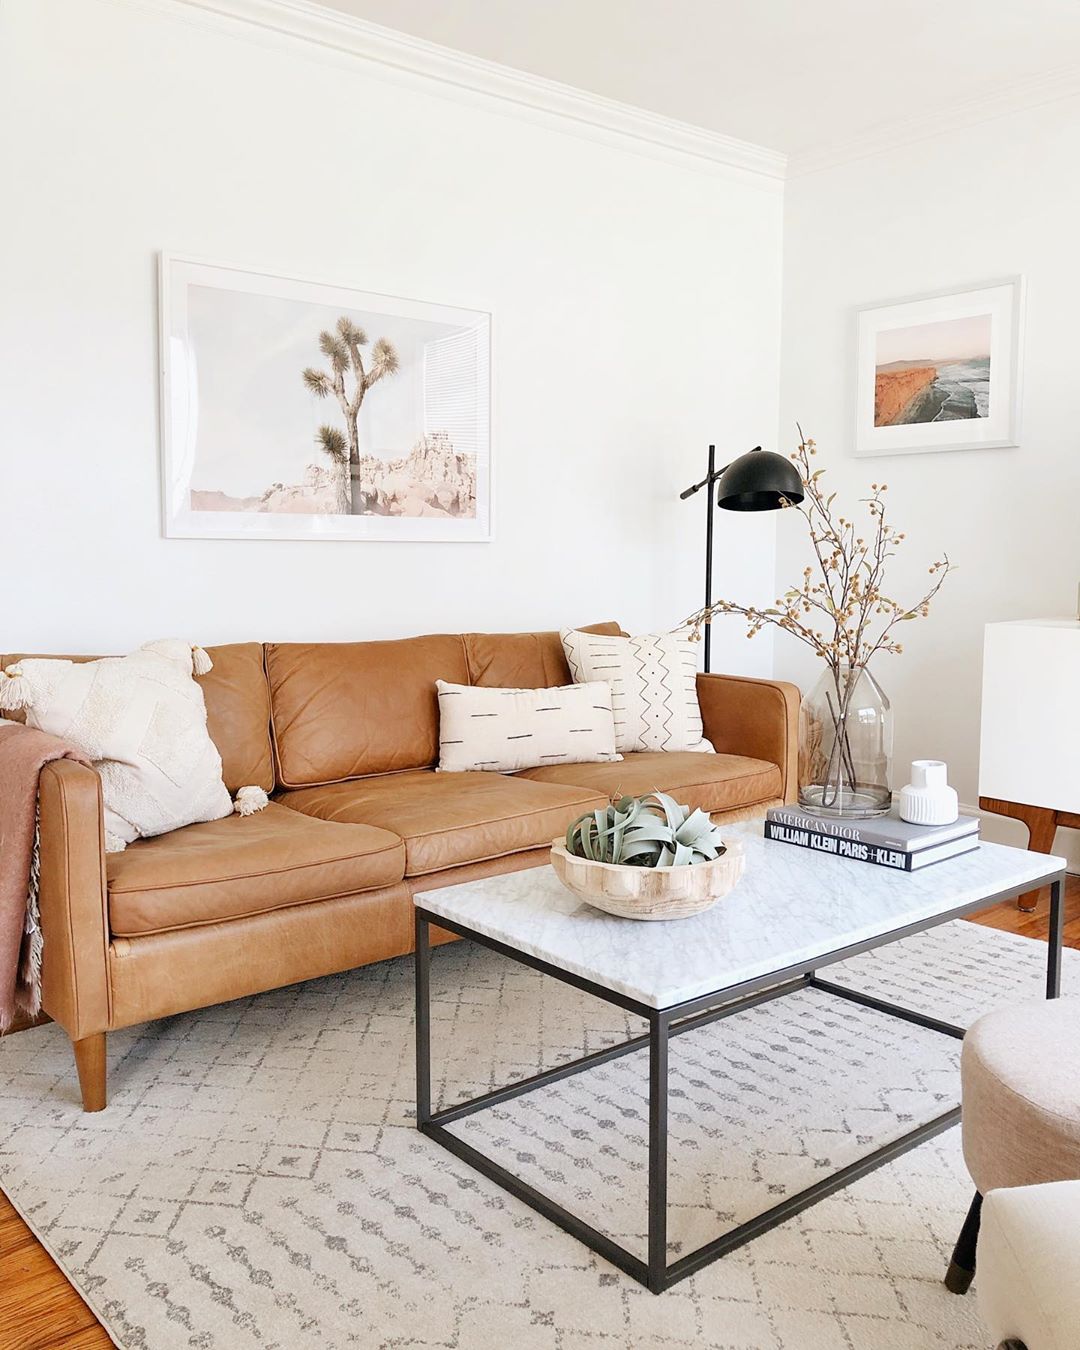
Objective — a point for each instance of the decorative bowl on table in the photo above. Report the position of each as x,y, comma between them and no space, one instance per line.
649,892
647,858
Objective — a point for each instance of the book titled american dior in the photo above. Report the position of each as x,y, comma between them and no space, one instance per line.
886,841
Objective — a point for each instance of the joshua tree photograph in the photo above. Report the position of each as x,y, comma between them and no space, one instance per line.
295,410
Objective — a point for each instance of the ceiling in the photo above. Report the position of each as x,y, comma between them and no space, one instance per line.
788,74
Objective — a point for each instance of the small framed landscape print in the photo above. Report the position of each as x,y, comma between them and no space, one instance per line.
299,410
940,372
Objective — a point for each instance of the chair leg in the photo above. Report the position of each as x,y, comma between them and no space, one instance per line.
962,1266
91,1064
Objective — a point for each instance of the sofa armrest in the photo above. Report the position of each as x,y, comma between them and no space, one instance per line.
758,718
72,898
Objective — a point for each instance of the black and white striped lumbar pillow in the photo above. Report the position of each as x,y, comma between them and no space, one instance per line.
503,730
653,686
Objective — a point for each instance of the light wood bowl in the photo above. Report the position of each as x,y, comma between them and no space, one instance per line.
649,892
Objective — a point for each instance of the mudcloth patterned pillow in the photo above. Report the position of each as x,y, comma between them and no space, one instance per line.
503,730
653,686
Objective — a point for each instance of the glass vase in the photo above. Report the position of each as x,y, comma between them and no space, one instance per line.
845,746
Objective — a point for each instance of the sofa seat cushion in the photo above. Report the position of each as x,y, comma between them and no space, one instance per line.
712,782
447,819
226,869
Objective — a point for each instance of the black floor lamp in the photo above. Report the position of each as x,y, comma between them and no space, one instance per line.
757,481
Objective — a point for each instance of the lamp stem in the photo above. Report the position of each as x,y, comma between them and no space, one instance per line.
710,494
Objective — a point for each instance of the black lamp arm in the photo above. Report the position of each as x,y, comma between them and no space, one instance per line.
708,480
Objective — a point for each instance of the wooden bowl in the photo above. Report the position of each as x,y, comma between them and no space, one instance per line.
649,892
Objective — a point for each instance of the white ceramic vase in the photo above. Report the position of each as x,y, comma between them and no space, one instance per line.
928,799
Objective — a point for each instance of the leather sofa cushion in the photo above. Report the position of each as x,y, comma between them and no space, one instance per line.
226,869
713,782
237,710
447,819
238,714
343,710
523,660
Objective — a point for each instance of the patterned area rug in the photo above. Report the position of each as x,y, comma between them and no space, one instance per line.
256,1183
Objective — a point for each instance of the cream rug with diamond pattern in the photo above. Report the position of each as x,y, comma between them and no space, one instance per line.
256,1182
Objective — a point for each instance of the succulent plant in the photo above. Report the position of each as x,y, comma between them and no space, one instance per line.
650,831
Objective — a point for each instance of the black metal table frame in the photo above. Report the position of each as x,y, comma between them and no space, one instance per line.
656,1273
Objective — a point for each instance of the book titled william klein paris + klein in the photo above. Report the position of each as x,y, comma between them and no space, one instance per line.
886,841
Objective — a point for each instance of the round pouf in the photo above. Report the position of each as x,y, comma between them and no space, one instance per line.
1021,1081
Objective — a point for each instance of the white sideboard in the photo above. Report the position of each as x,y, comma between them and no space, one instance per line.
1030,742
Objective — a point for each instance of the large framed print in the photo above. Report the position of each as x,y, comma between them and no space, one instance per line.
940,372
295,409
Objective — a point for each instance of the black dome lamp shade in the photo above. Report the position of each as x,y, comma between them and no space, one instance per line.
760,480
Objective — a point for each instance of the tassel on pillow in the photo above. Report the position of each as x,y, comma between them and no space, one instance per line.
249,800
14,689
200,661
174,650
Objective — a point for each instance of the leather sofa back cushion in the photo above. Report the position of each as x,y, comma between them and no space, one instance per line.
349,709
237,710
238,714
523,660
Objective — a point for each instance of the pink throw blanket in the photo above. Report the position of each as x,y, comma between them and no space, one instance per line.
23,753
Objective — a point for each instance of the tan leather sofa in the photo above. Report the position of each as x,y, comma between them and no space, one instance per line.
345,737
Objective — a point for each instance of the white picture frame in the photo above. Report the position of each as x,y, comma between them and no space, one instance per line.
243,449
940,371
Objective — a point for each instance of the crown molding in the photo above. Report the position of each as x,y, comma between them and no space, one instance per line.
1048,87
458,74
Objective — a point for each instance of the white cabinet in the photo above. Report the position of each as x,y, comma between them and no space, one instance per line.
1030,742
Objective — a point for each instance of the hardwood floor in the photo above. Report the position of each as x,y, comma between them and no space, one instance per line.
39,1310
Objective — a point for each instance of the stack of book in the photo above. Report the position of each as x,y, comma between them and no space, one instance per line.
886,841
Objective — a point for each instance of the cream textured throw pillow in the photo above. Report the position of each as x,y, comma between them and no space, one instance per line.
142,720
503,730
653,686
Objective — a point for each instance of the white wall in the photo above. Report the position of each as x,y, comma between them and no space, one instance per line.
636,304
965,207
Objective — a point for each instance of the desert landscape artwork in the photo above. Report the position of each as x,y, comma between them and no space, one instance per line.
298,410
933,372
939,371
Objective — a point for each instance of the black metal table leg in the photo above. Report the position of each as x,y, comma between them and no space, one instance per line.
659,1035
1055,937
423,1021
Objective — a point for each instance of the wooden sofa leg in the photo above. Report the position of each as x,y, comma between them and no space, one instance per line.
90,1062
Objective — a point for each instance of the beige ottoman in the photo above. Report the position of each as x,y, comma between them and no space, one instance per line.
1020,1070
1029,1266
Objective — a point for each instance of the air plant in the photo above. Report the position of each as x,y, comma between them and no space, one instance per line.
650,831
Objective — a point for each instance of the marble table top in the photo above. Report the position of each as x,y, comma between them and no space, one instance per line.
792,905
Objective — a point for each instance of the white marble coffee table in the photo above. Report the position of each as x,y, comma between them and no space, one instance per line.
793,913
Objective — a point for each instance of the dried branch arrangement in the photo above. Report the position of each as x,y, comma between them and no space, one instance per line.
840,608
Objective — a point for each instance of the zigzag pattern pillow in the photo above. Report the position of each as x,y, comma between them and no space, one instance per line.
653,682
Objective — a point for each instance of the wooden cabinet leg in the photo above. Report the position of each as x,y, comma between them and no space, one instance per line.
1042,825
90,1062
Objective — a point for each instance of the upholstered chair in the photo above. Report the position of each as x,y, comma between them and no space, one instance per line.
1029,1266
1020,1070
